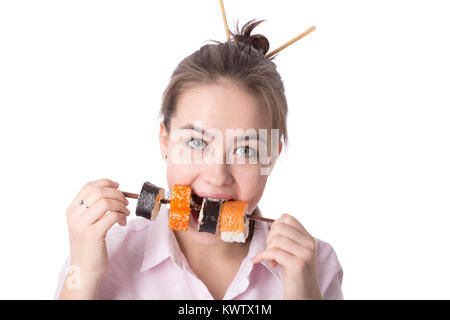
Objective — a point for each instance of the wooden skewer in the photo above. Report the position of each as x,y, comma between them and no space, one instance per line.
301,35
260,218
224,17
131,195
196,207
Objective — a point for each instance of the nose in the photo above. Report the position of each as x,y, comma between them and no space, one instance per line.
217,174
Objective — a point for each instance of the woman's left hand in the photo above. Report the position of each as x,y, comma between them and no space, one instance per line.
289,244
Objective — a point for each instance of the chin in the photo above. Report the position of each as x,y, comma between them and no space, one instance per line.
205,238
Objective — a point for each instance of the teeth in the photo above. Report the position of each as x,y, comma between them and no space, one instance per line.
216,199
212,198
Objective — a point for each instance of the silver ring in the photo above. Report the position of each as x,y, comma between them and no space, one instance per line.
81,202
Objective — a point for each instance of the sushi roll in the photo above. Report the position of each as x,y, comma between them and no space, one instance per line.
180,207
148,203
234,224
208,220
196,201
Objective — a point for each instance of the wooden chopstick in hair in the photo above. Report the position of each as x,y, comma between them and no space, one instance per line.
301,35
224,17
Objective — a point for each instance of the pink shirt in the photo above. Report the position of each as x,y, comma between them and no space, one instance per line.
145,262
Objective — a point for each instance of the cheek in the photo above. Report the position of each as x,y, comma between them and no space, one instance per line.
177,171
251,184
181,174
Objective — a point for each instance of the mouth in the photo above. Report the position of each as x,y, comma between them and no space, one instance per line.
194,215
197,198
213,195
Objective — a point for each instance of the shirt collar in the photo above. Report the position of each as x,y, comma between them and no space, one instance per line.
258,244
161,244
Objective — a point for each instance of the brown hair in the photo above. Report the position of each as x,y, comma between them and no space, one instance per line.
241,60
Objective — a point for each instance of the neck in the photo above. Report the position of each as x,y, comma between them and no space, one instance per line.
196,252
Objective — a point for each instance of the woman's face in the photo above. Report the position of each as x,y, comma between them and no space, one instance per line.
216,163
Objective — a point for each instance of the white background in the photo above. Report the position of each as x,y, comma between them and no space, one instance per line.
367,169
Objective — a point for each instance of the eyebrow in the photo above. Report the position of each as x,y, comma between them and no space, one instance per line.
256,136
190,126
249,137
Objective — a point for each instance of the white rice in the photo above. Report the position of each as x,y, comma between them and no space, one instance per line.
237,236
157,205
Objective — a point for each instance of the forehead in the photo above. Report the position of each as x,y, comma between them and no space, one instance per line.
222,105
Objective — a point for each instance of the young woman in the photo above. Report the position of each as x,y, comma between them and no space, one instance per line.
221,87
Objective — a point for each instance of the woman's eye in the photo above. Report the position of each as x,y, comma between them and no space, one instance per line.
197,143
246,151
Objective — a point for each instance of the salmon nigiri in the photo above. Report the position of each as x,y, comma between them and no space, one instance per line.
234,221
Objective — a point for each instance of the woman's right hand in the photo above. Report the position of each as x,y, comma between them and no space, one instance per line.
88,226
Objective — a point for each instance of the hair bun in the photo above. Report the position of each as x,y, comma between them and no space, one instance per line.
257,41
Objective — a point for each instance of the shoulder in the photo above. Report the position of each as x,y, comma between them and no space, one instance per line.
326,256
130,238
329,269
135,227
325,251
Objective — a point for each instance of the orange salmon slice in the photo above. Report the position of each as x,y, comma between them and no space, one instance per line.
232,216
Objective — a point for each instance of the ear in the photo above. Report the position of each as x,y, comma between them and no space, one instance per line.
280,147
163,140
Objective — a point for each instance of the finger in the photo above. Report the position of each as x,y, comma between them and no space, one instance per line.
101,183
92,194
99,209
291,247
285,230
280,256
290,220
104,224
292,233
105,193
88,187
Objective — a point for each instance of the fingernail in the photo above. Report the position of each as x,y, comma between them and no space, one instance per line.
116,183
